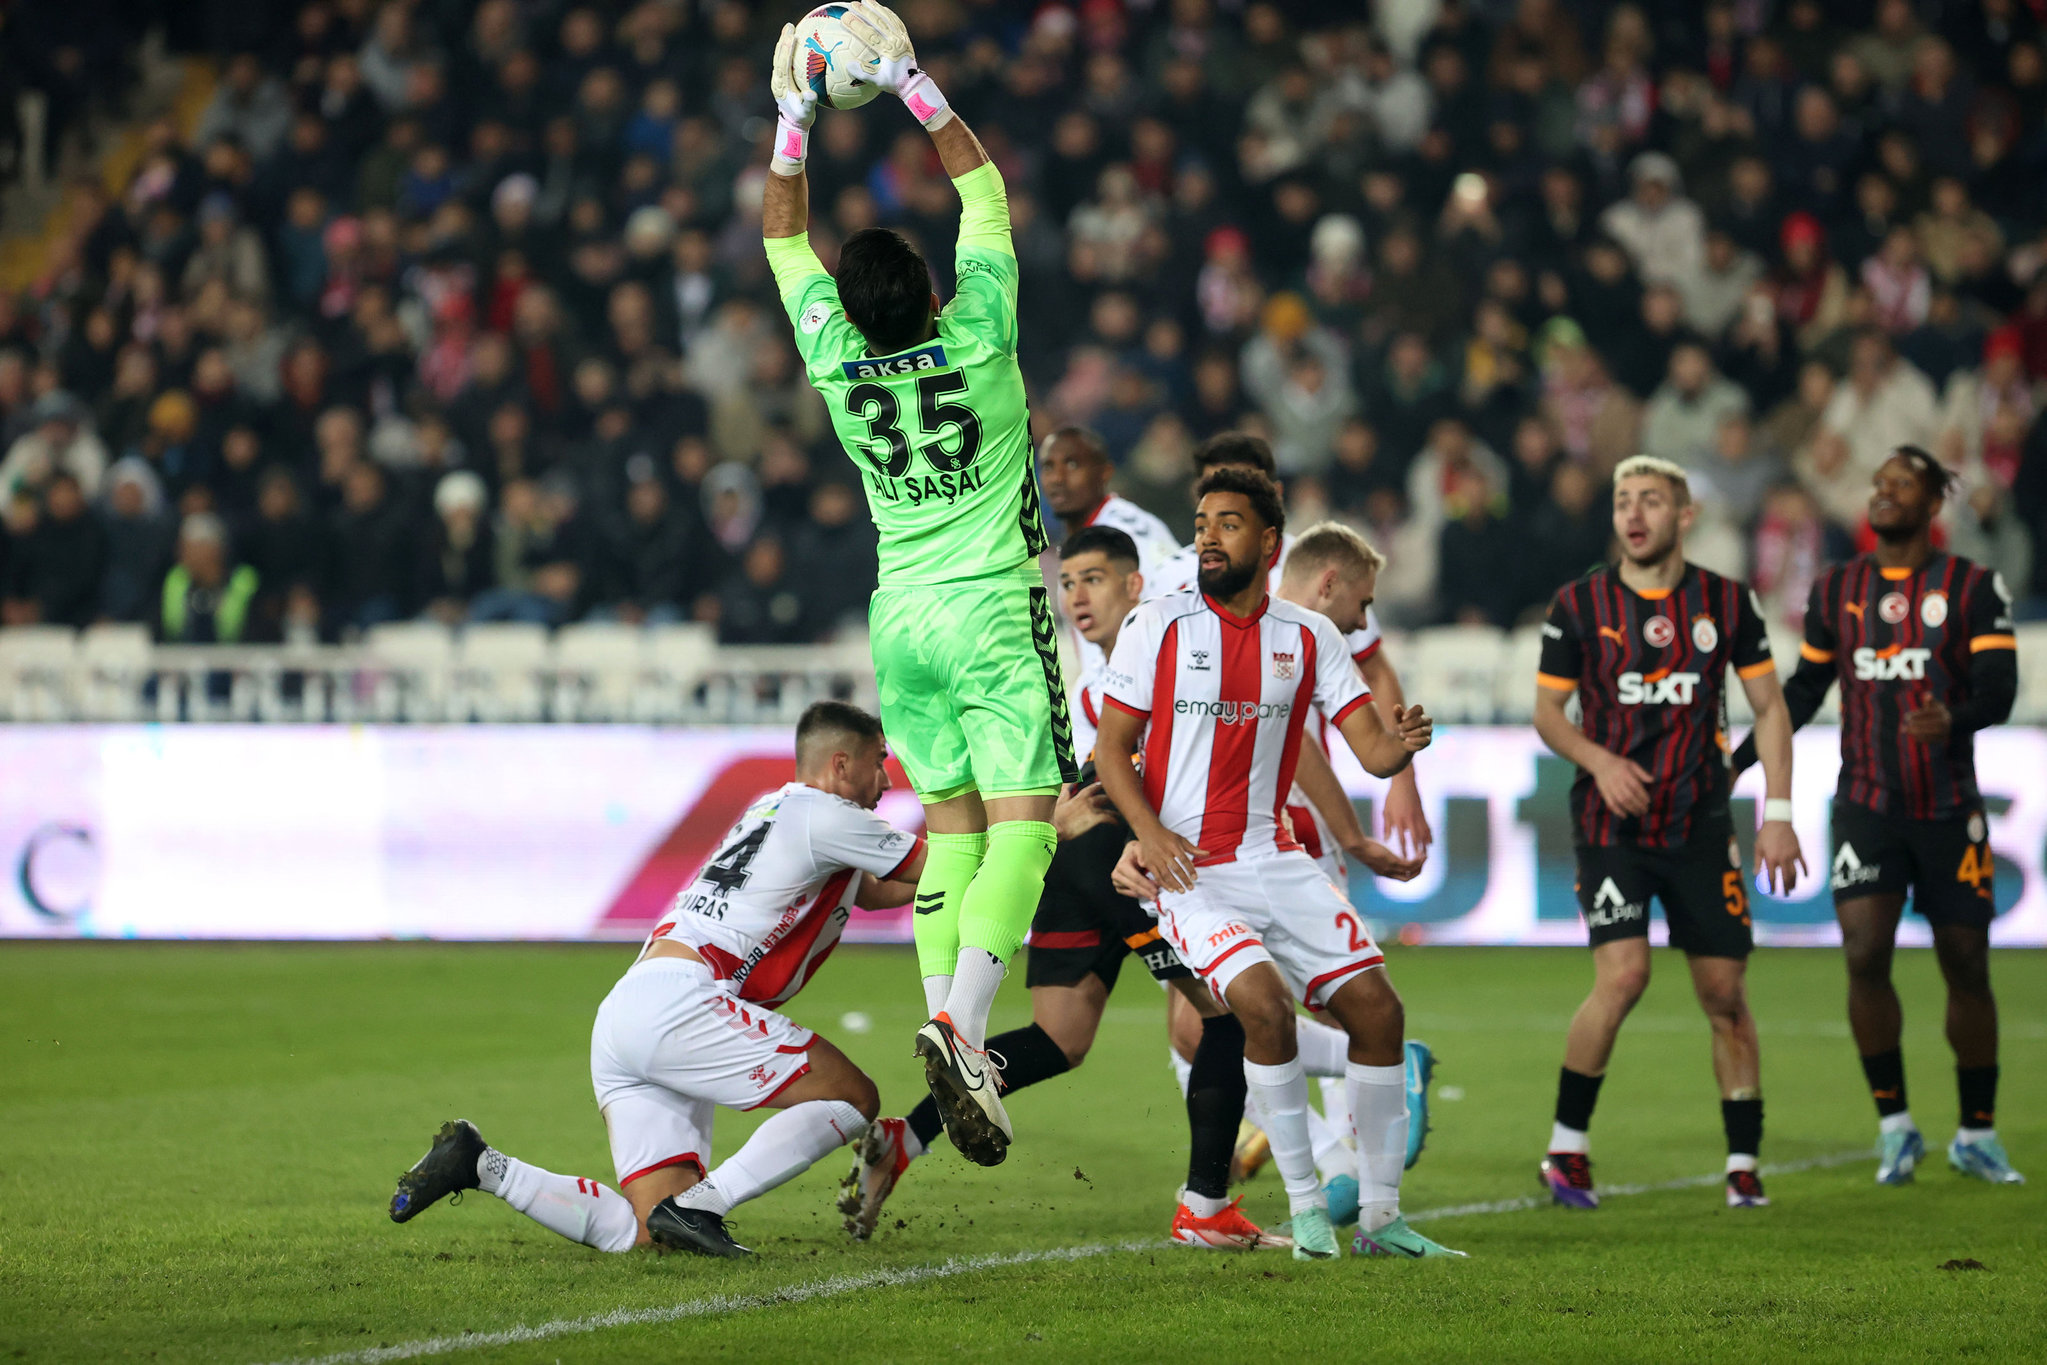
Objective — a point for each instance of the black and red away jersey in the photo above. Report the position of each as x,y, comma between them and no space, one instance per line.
1895,638
1650,672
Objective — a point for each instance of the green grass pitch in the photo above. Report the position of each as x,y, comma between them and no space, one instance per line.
197,1143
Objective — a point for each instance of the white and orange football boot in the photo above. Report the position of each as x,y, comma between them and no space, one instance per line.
1229,1230
878,1162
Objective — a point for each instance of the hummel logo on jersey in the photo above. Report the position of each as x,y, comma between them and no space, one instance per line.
1609,906
1672,689
910,362
1905,665
1198,660
1850,870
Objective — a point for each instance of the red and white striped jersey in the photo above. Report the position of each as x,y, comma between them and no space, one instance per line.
1180,572
768,908
1226,698
1155,545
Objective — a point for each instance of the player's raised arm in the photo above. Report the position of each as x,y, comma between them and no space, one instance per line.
785,200
876,27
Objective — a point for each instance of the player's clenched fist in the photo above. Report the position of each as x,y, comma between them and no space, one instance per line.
1413,728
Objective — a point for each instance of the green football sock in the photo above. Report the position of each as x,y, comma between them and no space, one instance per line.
950,861
997,910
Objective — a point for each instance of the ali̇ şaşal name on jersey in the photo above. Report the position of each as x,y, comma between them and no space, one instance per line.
878,406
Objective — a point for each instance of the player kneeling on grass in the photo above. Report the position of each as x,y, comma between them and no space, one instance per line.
694,1023
1214,685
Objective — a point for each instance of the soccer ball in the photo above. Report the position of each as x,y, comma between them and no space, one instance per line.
825,63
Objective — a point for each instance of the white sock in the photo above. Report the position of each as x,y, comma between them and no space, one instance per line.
1336,1103
781,1149
1378,1104
974,983
1203,1205
913,1146
1333,1155
1965,1136
1900,1122
1182,1068
936,988
1562,1139
1279,1095
1737,1161
1324,1050
579,1209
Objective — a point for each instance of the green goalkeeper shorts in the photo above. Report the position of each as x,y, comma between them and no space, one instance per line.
970,693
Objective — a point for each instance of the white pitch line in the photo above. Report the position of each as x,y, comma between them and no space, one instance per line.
718,1304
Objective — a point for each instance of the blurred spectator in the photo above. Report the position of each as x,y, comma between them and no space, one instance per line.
374,572
1884,403
1662,231
291,552
1684,416
59,440
458,561
250,106
761,604
203,602
138,541
55,559
1793,542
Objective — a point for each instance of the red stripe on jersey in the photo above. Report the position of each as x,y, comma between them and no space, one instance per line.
1290,751
1305,832
1367,652
1326,977
1158,743
723,965
773,974
915,848
1226,811
798,1074
1338,718
1069,938
1239,946
1087,708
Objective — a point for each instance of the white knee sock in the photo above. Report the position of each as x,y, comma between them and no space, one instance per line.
578,1208
1336,1102
1279,1094
936,988
1378,1106
1324,1050
780,1149
974,983
1182,1068
1333,1156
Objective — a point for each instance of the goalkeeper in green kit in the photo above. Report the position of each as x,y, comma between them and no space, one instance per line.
930,403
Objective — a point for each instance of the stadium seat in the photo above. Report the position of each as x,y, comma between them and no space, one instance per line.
677,657
413,659
1514,687
38,673
501,672
1456,671
597,667
114,663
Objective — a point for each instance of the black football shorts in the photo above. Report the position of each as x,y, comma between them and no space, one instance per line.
1705,900
1945,864
1083,926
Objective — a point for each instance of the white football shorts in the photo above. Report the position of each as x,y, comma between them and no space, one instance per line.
1283,910
668,1047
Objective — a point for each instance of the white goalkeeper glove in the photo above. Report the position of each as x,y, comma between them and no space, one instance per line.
795,108
875,27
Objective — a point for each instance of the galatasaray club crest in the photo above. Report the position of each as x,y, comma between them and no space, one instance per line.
1705,635
1933,610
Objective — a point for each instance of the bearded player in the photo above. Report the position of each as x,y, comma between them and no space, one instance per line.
930,401
1646,645
695,1024
1214,686
1922,644
1084,930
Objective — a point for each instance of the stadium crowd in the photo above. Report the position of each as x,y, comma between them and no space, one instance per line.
460,309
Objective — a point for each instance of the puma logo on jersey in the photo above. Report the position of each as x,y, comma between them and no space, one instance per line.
1850,870
1672,689
1619,637
1610,907
1900,665
910,362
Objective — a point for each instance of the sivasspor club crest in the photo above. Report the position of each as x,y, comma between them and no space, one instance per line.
1282,665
